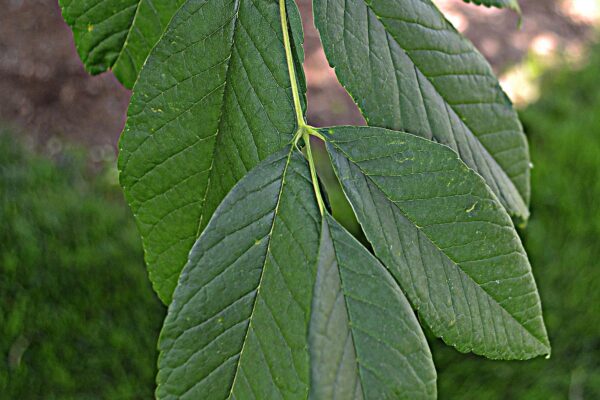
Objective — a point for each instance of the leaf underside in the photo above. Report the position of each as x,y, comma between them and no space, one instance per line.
276,302
441,232
410,70
212,100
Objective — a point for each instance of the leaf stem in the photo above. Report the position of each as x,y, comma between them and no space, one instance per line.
290,64
313,171
304,130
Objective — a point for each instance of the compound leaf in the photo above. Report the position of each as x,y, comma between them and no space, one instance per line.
212,100
444,236
275,299
237,325
410,70
364,339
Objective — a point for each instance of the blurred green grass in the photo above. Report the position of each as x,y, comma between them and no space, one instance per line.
78,319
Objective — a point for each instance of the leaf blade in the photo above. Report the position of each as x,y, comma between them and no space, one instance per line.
364,339
254,284
410,70
212,101
444,236
117,35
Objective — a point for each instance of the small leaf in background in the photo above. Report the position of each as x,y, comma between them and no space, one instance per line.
510,4
444,236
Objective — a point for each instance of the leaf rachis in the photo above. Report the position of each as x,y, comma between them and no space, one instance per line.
303,129
290,64
313,172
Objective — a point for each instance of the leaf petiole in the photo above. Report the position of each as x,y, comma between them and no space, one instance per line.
304,130
313,171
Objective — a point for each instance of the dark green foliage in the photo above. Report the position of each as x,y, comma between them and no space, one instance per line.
218,95
237,321
78,318
364,336
408,69
442,234
212,101
563,243
117,34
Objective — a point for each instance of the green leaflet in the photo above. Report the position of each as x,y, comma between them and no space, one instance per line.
266,271
117,34
408,69
382,353
212,100
239,316
511,4
443,235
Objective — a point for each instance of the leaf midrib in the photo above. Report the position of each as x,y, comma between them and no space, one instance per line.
346,309
361,365
130,29
262,272
222,111
211,171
